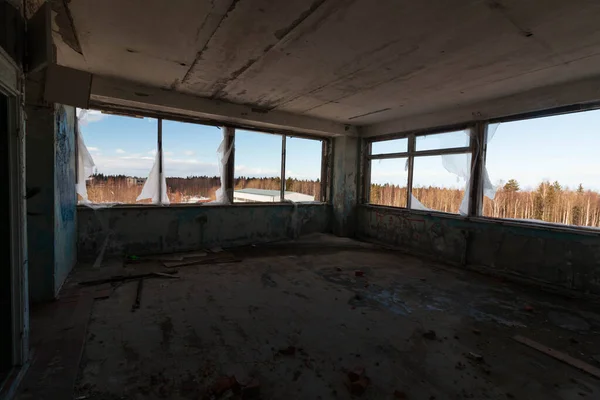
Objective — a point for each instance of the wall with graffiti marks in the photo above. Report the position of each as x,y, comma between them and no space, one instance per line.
565,259
65,201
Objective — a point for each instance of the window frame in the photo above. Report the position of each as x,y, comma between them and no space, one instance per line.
471,148
229,135
478,146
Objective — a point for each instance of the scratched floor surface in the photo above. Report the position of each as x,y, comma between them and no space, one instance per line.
232,319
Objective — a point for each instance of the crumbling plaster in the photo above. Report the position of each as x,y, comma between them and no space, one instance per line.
562,258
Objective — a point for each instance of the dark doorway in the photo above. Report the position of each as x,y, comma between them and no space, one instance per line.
6,322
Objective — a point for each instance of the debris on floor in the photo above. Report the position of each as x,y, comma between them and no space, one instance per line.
583,366
399,394
359,273
124,278
358,381
138,295
288,351
223,384
251,390
474,356
213,258
430,335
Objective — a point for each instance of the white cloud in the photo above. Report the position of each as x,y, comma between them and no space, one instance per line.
152,152
254,172
93,149
88,116
168,153
120,151
189,153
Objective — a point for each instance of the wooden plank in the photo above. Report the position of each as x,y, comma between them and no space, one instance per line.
583,366
207,260
122,278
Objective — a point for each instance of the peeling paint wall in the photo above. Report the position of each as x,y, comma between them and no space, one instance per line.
345,185
563,259
52,202
65,198
150,230
39,163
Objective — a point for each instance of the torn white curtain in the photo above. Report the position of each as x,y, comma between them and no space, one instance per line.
489,190
223,155
154,184
85,165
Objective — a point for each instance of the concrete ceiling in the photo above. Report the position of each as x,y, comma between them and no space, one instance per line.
357,62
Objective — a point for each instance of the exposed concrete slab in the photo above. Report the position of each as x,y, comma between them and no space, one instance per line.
581,92
345,185
232,319
355,62
113,93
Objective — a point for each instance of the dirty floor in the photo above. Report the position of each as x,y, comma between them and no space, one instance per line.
295,318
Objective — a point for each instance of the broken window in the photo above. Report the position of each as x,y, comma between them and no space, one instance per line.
302,169
190,161
389,180
436,185
422,172
131,160
123,150
545,170
390,146
257,176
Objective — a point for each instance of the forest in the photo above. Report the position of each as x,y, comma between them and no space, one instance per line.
550,202
194,189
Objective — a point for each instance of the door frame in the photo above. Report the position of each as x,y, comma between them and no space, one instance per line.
11,85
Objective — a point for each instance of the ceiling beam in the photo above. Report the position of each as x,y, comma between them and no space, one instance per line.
586,91
107,92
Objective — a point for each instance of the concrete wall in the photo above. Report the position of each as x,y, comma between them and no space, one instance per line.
65,197
148,230
40,206
558,257
50,171
345,184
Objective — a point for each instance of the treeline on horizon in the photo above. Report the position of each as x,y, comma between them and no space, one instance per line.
549,202
125,189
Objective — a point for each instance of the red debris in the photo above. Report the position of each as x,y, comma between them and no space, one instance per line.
360,386
356,373
288,351
222,385
251,390
528,308
359,273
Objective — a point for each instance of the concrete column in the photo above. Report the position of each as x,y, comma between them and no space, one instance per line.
52,200
345,184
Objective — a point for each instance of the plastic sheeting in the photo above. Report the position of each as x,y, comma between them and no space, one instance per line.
85,162
154,184
223,156
460,165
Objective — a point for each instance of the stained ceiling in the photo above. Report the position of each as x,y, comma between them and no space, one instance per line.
357,62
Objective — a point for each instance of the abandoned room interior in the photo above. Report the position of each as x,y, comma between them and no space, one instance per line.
302,199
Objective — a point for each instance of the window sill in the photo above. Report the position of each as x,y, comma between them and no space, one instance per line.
201,205
433,213
588,231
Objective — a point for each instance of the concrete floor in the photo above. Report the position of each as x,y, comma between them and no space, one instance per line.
232,319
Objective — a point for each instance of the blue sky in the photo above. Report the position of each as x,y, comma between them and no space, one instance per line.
563,148
126,145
